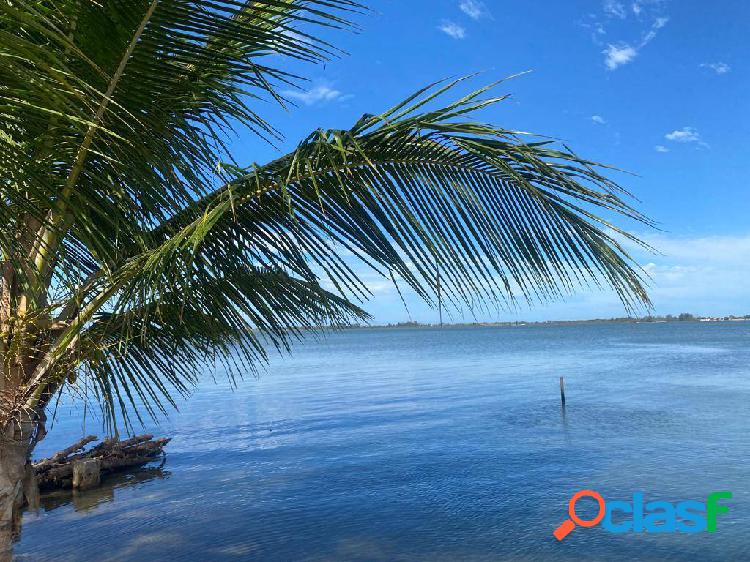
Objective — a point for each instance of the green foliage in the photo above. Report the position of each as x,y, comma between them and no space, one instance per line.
154,258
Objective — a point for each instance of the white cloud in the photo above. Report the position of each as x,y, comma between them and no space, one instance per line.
705,275
316,95
648,37
380,286
613,8
617,55
710,251
595,26
686,134
474,9
717,67
661,148
598,119
700,274
452,29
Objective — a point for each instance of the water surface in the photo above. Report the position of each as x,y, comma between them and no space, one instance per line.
426,444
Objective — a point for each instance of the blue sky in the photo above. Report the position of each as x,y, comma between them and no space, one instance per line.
656,87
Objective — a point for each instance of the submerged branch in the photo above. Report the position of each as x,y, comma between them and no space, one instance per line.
113,455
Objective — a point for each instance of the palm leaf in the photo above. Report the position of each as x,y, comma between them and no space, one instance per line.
113,117
150,350
133,236
407,192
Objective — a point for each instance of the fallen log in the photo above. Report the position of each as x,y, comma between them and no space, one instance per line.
111,454
61,455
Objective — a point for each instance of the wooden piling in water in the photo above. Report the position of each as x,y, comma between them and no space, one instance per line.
86,474
562,390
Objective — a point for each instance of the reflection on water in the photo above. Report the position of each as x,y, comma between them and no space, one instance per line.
90,499
432,445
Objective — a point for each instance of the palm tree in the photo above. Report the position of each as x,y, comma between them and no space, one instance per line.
135,249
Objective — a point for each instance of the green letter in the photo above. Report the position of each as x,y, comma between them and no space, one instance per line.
713,508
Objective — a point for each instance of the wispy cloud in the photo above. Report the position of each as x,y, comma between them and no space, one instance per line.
318,94
686,134
661,148
651,34
616,9
717,67
452,29
641,19
698,274
597,28
475,9
598,119
617,55
704,274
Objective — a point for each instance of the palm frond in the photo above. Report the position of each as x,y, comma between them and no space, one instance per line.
147,350
114,117
407,192
136,247
412,192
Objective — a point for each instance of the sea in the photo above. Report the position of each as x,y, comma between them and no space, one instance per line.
429,444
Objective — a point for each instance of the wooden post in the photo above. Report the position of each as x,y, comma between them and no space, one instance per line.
440,296
86,474
562,390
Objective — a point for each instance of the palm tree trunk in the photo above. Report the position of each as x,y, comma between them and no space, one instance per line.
18,433
17,479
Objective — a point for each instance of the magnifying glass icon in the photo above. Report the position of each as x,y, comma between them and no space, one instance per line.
569,524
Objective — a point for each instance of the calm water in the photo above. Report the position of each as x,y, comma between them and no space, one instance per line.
432,445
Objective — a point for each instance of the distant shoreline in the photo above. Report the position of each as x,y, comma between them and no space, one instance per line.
682,318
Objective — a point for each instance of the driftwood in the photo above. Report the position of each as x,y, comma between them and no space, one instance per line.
112,455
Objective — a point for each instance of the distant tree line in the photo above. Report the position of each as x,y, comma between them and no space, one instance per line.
682,317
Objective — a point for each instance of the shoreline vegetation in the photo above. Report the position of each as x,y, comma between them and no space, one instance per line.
684,317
